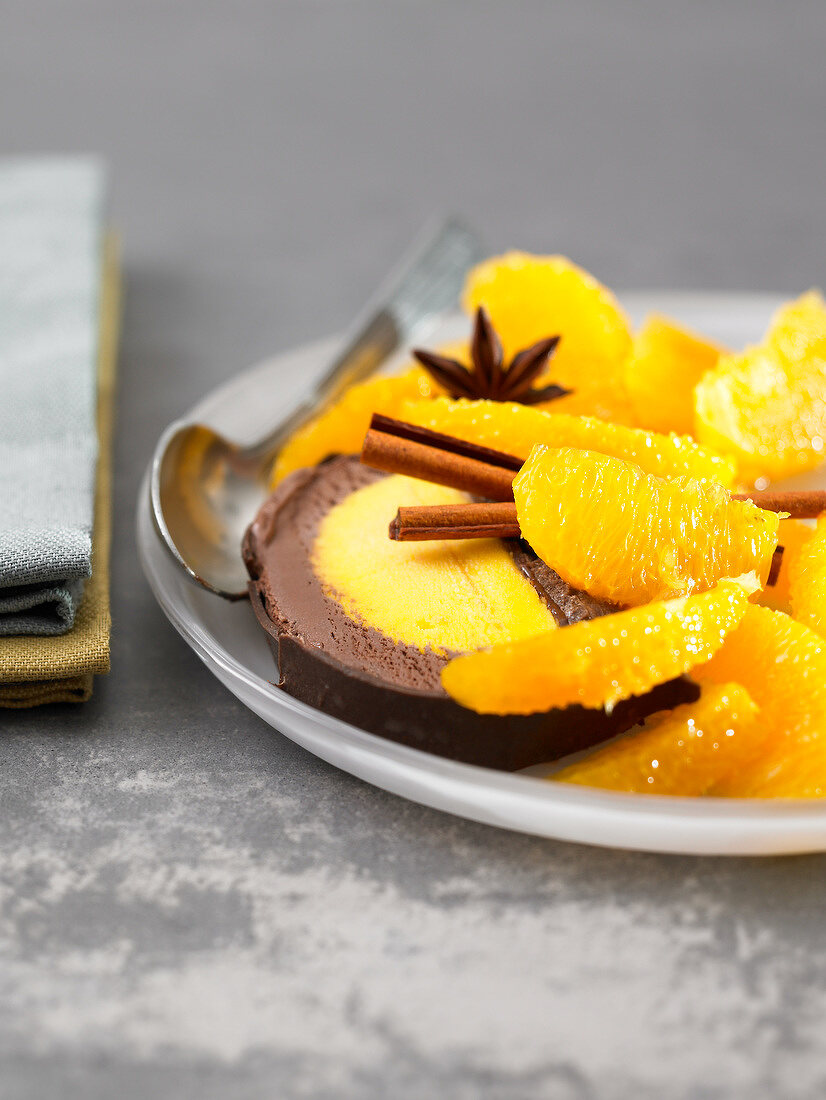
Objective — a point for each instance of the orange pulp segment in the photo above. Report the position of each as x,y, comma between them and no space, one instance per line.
665,364
782,665
507,426
807,579
626,536
591,396
792,535
767,405
769,415
796,772
598,662
340,429
531,297
685,751
798,328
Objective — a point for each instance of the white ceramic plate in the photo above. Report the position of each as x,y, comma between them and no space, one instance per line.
226,637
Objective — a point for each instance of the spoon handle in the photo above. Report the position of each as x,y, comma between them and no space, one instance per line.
425,284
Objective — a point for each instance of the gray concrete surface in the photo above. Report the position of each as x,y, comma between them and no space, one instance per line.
190,906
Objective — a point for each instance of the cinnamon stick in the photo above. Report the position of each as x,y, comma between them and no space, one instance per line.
455,521
400,448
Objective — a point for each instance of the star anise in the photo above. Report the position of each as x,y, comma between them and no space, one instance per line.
488,377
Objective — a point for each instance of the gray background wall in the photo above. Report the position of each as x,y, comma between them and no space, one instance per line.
190,905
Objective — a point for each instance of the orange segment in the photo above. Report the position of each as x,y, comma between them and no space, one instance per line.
455,349
682,752
798,328
514,428
798,773
341,428
792,535
769,414
767,405
807,579
782,665
530,297
598,662
629,537
591,396
665,364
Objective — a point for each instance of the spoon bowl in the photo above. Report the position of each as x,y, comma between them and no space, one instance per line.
205,489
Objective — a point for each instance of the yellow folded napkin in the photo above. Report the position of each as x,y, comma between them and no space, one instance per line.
60,668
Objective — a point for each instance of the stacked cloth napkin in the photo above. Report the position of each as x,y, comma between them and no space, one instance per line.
58,338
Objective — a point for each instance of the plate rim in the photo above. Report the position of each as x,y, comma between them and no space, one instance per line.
754,826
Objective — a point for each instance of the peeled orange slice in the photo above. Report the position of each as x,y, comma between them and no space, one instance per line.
341,428
798,328
782,665
625,536
591,396
769,415
665,364
797,772
807,579
598,662
792,535
530,297
767,405
515,428
685,751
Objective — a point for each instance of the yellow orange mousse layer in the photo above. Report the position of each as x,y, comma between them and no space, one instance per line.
451,597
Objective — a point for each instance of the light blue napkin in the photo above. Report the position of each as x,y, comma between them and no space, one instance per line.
51,236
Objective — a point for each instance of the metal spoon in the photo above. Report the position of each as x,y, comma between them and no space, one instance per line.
205,489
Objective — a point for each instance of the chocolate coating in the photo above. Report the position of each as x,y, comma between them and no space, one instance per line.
355,673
